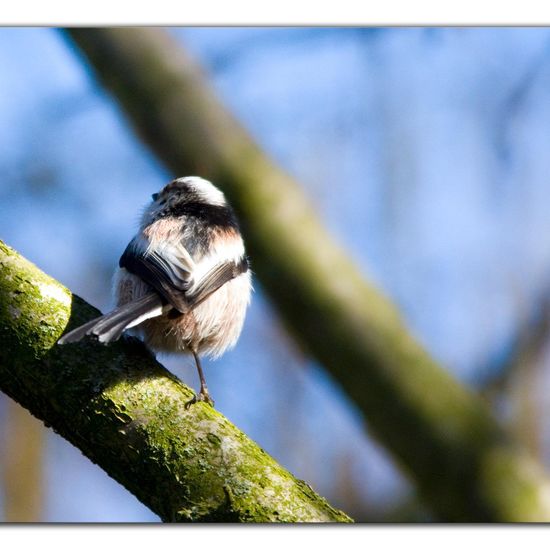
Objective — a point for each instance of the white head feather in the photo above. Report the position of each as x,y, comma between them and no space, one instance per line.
206,190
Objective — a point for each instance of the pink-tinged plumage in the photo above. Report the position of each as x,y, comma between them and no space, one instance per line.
183,281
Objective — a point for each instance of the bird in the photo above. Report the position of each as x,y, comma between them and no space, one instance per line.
183,282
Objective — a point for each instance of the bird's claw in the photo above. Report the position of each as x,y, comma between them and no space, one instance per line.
203,396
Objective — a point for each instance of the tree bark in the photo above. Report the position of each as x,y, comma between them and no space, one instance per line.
465,467
127,414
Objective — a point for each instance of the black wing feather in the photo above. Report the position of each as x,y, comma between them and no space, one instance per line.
156,271
215,279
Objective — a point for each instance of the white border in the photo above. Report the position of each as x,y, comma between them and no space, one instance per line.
247,12
246,537
282,12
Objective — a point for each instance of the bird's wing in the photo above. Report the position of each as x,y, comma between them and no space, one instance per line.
169,270
166,268
214,279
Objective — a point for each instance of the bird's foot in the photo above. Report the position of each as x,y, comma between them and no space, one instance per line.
203,396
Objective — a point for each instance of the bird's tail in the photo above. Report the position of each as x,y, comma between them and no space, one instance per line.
110,326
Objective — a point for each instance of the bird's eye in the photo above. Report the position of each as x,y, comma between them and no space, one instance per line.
155,196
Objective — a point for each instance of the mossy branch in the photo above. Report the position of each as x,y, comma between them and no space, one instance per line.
464,465
126,413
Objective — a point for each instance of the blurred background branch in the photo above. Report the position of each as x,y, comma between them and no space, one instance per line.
513,389
443,436
22,465
125,412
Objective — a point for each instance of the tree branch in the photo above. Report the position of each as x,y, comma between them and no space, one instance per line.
22,465
126,413
442,434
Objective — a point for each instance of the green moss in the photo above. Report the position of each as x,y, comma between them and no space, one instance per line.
39,308
223,473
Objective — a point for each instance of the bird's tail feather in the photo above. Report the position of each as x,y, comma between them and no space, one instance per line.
110,326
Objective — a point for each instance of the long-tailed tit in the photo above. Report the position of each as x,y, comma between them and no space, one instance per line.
183,281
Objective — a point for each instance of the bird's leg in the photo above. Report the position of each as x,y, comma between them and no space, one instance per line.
203,393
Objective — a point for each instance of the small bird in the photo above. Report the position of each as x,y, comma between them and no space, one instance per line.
183,281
